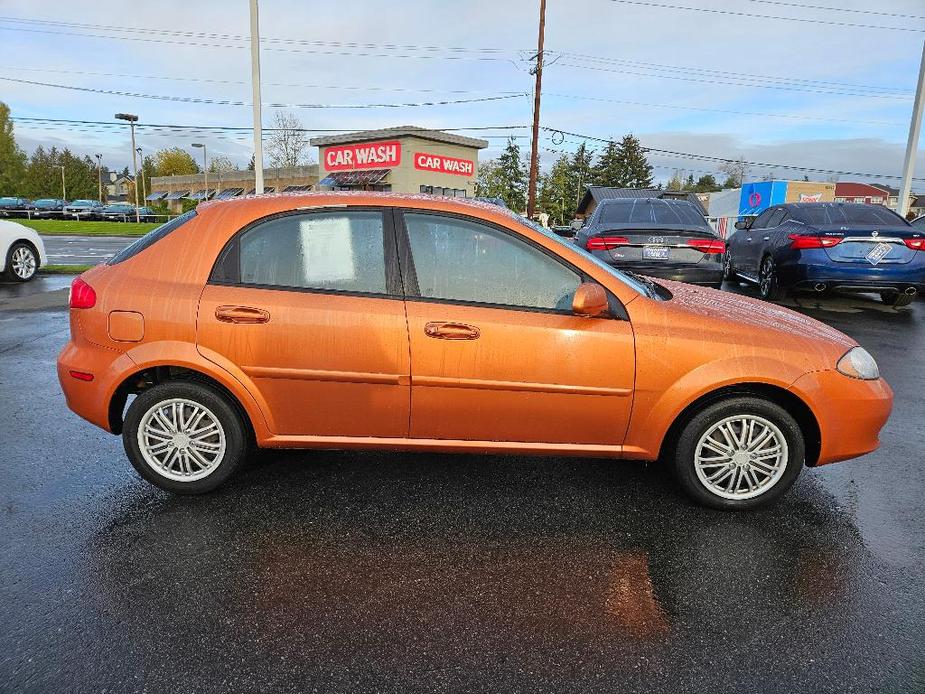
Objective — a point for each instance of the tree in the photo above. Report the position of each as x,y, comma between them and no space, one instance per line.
252,164
736,170
288,142
609,170
638,171
174,161
582,172
220,164
42,176
12,158
556,192
675,182
706,184
505,178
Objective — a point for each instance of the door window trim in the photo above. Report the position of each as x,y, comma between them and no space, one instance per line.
617,311
231,254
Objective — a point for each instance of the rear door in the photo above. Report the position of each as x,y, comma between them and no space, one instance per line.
496,352
309,306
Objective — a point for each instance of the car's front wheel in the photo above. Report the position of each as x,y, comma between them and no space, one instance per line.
184,436
739,453
21,262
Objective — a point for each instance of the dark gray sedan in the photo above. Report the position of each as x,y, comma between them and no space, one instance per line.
669,239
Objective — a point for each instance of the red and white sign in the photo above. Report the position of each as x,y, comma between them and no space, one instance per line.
424,161
814,197
368,155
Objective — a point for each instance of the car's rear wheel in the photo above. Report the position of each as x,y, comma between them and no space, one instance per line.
768,283
184,436
896,299
21,262
739,453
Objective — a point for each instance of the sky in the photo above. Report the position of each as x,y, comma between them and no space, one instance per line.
784,82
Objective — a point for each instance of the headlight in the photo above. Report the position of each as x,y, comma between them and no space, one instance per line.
857,363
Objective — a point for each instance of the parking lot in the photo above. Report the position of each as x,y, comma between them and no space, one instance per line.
339,571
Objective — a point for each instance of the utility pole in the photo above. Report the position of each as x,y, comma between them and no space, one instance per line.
63,189
255,87
132,119
144,191
915,128
99,175
537,90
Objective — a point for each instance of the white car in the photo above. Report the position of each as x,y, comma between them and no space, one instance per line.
22,252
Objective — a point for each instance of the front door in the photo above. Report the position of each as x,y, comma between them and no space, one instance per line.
308,305
496,353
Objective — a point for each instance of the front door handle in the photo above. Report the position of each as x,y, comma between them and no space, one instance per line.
451,331
748,239
241,314
767,238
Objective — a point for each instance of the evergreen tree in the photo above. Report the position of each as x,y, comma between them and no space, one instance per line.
42,177
609,170
637,173
505,178
556,195
12,158
582,174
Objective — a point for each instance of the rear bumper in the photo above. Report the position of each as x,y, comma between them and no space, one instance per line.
814,267
850,412
707,273
90,399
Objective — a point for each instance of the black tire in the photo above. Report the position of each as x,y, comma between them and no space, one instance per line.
729,272
21,247
218,405
684,453
896,299
769,287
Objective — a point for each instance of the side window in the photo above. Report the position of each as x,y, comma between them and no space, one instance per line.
459,260
338,251
776,218
762,221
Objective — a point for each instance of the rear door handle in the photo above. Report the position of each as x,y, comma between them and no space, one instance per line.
748,239
767,238
241,314
451,331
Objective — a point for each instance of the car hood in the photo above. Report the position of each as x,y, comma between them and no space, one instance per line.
756,320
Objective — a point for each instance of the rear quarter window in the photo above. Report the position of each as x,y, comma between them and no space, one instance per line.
151,238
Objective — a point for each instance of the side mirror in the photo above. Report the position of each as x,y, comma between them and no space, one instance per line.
590,300
742,224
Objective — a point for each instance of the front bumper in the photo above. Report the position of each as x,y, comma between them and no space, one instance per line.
850,412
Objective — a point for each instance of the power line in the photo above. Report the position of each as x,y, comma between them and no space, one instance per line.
723,160
229,102
829,8
753,15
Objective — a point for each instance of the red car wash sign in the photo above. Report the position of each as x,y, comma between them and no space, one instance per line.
368,155
425,161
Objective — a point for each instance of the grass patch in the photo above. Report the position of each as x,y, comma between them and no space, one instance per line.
73,227
64,269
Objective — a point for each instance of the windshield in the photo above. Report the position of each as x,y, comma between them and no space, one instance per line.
824,214
8,201
82,203
45,203
645,211
633,283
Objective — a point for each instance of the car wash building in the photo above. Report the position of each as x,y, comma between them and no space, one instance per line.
406,159
758,196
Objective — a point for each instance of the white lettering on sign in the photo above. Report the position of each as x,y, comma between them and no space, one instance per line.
368,155
424,161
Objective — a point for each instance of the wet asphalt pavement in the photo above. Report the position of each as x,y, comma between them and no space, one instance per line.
83,250
331,571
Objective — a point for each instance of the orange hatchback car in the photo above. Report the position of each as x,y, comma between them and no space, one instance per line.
339,320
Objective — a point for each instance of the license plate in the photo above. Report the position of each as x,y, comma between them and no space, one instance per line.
655,253
878,253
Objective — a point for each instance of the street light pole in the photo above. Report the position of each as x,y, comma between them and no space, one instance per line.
255,88
144,191
205,167
99,175
63,189
132,119
915,129
534,153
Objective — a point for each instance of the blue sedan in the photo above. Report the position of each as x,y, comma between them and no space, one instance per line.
829,246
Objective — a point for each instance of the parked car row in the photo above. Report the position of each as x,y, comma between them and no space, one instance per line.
55,208
819,247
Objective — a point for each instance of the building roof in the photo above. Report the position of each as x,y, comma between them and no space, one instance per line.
400,131
598,193
857,190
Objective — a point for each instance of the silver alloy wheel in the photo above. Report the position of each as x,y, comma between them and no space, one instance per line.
23,262
766,276
181,440
741,457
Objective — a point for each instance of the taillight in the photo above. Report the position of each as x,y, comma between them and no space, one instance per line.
915,244
798,242
708,245
82,295
605,243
